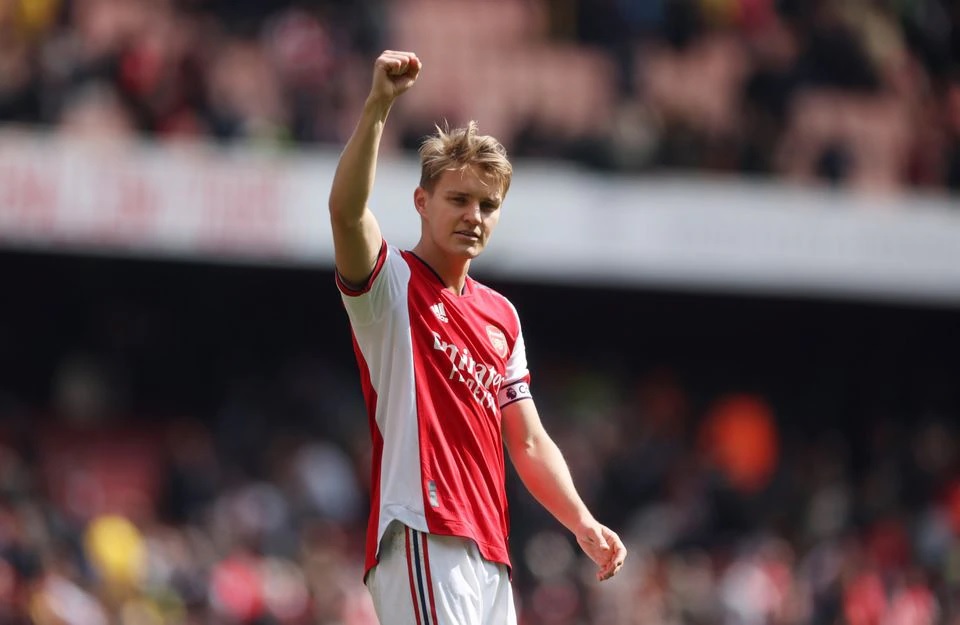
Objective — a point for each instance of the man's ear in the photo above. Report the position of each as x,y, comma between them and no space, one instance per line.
420,200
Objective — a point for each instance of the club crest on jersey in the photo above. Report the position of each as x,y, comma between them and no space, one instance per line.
498,340
440,312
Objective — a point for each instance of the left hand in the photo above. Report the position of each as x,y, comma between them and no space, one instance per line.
604,547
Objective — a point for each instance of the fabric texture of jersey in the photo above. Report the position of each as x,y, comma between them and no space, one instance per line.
436,368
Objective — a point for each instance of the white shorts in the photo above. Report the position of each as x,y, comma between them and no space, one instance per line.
426,579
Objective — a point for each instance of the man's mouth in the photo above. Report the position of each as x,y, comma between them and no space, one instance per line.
471,235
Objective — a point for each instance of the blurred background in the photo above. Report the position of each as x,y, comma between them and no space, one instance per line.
733,239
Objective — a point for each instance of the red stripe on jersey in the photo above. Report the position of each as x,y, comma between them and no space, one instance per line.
370,399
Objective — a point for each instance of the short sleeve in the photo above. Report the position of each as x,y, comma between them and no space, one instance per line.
516,382
367,304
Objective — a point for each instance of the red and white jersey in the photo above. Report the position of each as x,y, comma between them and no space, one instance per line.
436,369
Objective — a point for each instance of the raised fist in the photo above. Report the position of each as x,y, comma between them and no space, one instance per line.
394,72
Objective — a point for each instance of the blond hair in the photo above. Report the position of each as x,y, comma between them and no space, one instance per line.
460,148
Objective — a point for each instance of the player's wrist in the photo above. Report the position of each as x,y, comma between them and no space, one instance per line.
378,105
583,525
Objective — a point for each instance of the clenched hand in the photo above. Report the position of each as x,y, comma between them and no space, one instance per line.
394,73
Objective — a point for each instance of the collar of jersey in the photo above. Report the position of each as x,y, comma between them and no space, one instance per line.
466,283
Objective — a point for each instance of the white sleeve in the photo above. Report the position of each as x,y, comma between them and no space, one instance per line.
382,291
516,381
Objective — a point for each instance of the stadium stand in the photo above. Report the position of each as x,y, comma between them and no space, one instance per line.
855,93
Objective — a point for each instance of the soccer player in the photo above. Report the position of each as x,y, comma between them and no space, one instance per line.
445,379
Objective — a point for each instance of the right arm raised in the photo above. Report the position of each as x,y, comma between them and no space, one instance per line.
356,234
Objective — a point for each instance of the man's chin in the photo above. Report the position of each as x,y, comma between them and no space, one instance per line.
467,252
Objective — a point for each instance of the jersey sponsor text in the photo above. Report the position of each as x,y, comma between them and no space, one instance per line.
482,380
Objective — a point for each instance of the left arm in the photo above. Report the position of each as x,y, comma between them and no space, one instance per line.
546,475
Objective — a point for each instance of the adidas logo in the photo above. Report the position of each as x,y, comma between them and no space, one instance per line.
440,312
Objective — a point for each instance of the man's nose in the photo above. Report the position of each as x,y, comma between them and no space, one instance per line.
472,214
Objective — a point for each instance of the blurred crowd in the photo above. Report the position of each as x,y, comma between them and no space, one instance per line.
860,93
262,71
255,515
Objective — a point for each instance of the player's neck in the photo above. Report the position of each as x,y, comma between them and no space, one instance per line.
452,272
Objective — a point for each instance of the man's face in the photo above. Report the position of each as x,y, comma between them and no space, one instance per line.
461,212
